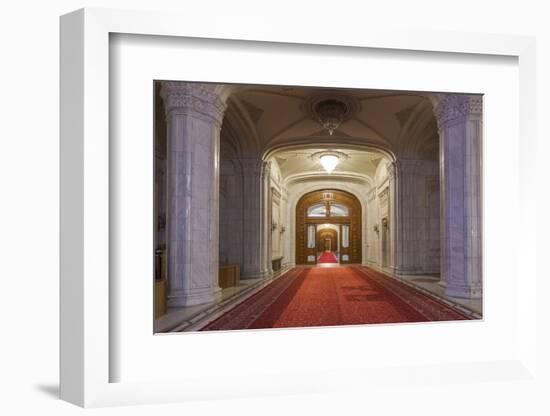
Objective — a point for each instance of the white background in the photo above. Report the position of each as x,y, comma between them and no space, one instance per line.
29,172
139,60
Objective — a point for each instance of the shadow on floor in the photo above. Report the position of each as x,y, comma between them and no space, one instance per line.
51,390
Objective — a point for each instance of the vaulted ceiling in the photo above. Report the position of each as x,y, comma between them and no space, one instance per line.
261,119
280,124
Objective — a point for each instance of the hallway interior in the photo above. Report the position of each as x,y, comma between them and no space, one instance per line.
280,206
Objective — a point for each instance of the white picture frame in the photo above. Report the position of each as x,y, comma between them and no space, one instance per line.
87,356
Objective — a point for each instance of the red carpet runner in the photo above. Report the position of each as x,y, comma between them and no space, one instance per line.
333,296
327,257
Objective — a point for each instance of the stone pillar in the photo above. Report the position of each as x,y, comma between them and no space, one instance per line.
255,233
417,181
194,116
231,212
372,221
393,221
267,254
459,118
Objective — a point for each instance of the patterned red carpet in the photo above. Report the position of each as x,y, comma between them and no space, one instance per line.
333,296
327,257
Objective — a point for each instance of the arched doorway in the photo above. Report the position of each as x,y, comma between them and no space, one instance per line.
338,209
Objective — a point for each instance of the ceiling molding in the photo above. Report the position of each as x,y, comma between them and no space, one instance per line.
322,175
352,143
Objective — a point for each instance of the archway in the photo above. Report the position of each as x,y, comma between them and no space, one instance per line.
334,207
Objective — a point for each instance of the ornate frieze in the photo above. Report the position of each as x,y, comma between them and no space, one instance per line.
454,107
196,99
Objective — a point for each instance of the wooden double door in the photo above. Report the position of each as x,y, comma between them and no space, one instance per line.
342,211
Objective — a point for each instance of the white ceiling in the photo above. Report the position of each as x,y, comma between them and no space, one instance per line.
297,162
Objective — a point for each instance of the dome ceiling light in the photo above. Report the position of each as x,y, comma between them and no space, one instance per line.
330,114
329,159
329,162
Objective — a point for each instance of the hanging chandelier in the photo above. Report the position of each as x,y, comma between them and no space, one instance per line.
329,159
330,114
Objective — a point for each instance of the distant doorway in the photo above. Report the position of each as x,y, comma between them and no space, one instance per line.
328,221
327,239
327,243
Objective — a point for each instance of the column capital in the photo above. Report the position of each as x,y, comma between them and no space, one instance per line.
266,169
195,99
455,107
392,170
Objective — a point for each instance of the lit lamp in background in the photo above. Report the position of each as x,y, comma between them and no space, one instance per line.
329,162
329,159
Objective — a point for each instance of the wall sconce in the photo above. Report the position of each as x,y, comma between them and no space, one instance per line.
282,229
375,228
273,226
385,222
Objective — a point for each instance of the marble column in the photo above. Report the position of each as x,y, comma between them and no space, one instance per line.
417,181
231,212
459,118
267,254
194,115
255,232
372,222
392,223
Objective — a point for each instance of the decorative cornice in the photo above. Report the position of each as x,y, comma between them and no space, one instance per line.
321,174
193,98
454,107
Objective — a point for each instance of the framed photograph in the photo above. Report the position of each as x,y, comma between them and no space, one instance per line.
289,213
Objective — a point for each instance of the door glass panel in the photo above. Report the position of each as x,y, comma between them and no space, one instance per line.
318,210
311,236
338,210
345,236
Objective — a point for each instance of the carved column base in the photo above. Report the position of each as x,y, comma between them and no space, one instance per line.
182,298
255,275
465,292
